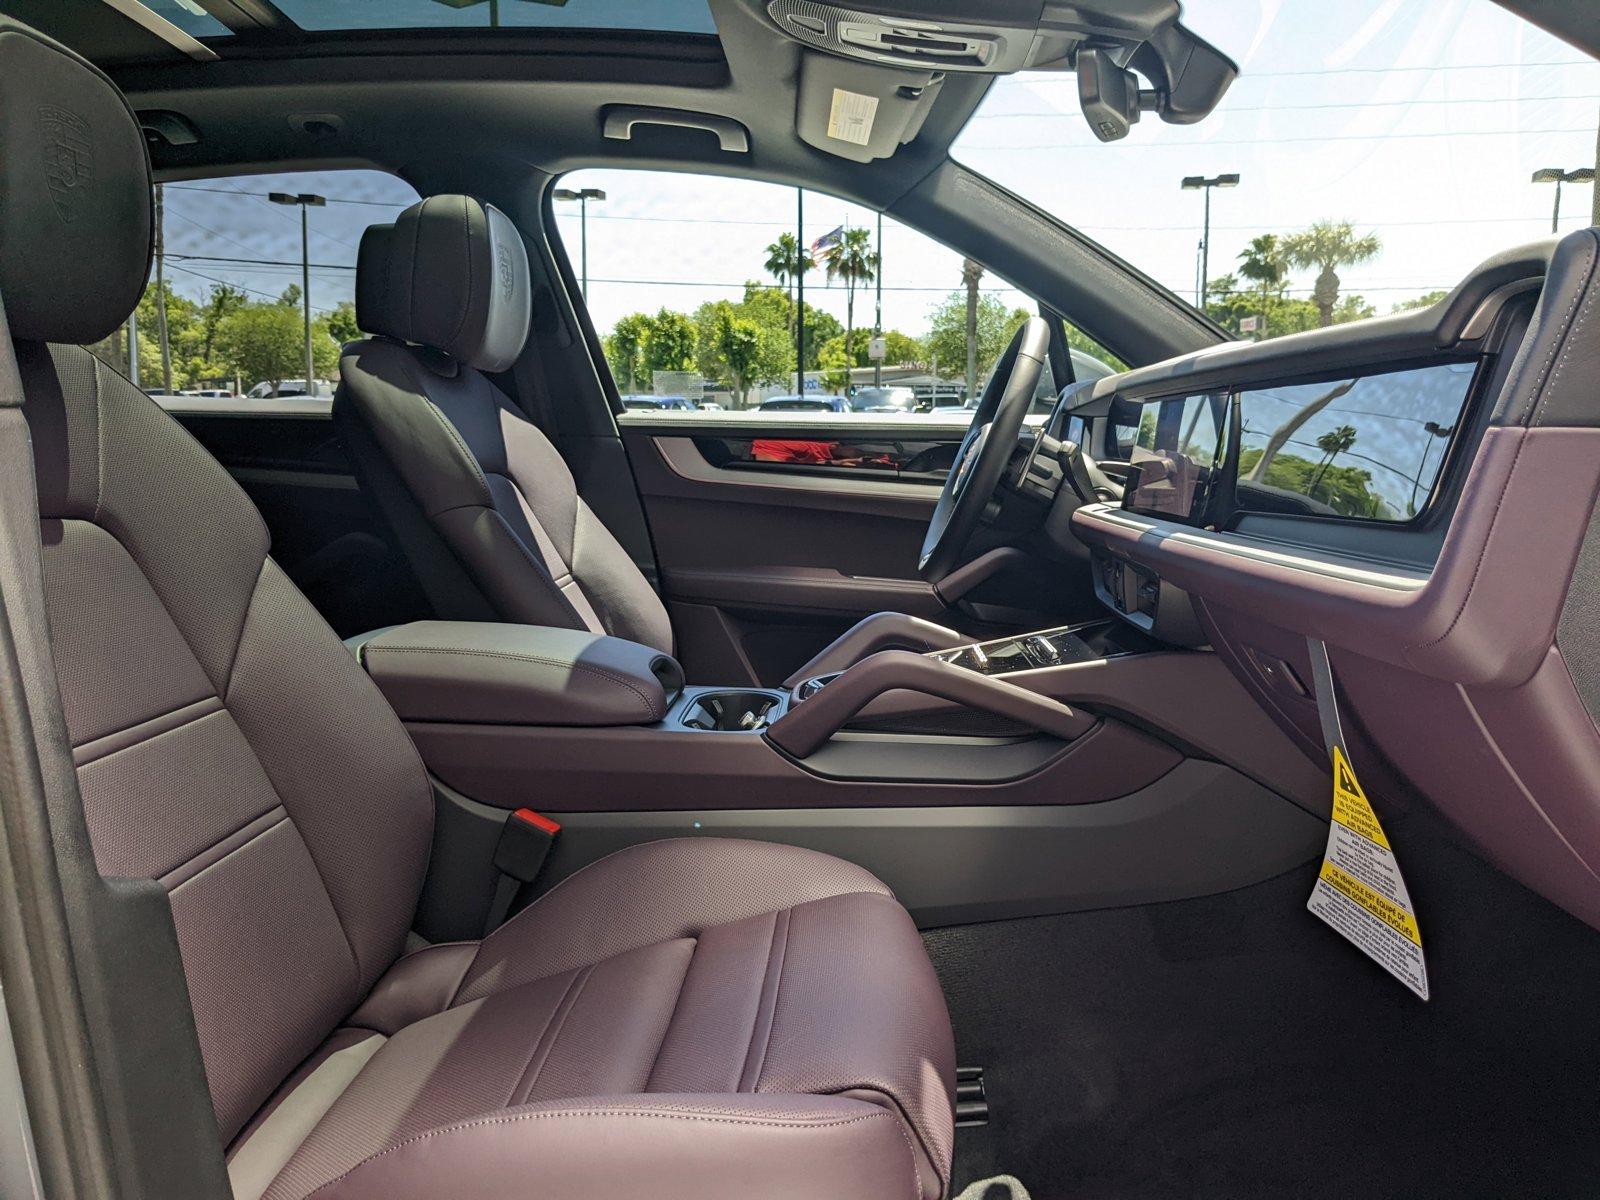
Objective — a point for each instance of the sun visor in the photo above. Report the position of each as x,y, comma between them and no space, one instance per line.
860,111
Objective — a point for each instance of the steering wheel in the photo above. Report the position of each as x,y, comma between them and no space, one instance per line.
985,451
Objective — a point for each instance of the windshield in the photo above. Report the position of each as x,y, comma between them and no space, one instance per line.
1370,153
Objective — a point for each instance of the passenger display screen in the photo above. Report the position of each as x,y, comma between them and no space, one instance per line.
1175,455
1369,448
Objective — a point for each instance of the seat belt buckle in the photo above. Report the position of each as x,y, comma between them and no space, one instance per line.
519,856
524,844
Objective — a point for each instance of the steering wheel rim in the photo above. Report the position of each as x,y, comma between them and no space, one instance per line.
985,451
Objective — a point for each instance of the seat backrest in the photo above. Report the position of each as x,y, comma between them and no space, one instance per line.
480,500
226,743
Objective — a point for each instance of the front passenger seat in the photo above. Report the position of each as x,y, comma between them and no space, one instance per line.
697,1019
480,501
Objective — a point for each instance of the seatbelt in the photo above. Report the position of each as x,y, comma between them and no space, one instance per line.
525,842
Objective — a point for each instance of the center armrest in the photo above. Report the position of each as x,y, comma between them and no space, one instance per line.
484,673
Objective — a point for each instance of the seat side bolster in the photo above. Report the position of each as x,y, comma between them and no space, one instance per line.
658,1147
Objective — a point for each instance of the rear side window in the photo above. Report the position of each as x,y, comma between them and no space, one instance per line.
223,318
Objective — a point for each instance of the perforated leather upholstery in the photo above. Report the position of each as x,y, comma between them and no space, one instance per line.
702,1018
483,504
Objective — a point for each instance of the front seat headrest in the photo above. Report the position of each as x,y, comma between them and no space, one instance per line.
450,273
75,204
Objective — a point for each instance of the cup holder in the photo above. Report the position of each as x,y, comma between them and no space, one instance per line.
732,712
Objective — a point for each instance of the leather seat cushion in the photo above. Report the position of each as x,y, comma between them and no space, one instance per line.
722,983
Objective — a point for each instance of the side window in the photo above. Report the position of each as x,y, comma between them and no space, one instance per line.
694,283
227,317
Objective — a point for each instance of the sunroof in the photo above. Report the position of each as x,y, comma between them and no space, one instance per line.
653,16
188,16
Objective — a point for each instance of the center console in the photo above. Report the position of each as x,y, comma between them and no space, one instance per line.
1034,747
1086,642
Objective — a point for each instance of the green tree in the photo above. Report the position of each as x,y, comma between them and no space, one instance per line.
624,348
855,262
786,261
992,326
1426,300
264,343
1257,472
1329,245
744,344
1346,490
971,273
669,343
341,322
224,299
1332,444
903,350
821,328
1262,262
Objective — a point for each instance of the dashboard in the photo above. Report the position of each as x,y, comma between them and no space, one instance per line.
1417,492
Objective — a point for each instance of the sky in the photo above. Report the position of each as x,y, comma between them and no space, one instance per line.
1418,120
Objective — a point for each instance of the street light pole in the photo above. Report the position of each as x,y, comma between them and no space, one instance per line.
583,198
306,200
1202,183
1557,176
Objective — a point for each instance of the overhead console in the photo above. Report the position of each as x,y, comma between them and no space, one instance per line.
1130,56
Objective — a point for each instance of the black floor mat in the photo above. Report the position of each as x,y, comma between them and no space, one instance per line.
1234,1046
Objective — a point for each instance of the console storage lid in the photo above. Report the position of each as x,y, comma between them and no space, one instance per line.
487,673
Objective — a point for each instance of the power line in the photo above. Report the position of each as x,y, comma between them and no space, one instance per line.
259,262
241,287
190,187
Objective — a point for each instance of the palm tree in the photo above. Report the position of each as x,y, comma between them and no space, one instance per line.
786,260
1283,433
1262,263
1329,245
971,272
1332,444
856,262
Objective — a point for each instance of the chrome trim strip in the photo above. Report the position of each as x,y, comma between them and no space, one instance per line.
1237,546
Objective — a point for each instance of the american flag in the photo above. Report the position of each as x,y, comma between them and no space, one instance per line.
827,241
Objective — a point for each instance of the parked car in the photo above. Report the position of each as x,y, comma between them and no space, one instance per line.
320,389
885,400
646,403
836,404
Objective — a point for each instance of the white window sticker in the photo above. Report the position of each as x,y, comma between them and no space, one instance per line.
851,115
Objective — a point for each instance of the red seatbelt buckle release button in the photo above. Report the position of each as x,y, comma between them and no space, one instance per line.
524,844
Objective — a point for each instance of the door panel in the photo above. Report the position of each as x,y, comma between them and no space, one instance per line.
764,563
325,533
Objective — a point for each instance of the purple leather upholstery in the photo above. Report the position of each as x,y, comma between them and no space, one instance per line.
483,504
736,972
775,1001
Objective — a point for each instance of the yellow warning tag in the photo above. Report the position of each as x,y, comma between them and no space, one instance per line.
1360,891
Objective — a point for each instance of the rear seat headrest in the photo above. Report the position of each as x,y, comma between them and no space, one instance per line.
450,273
75,205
